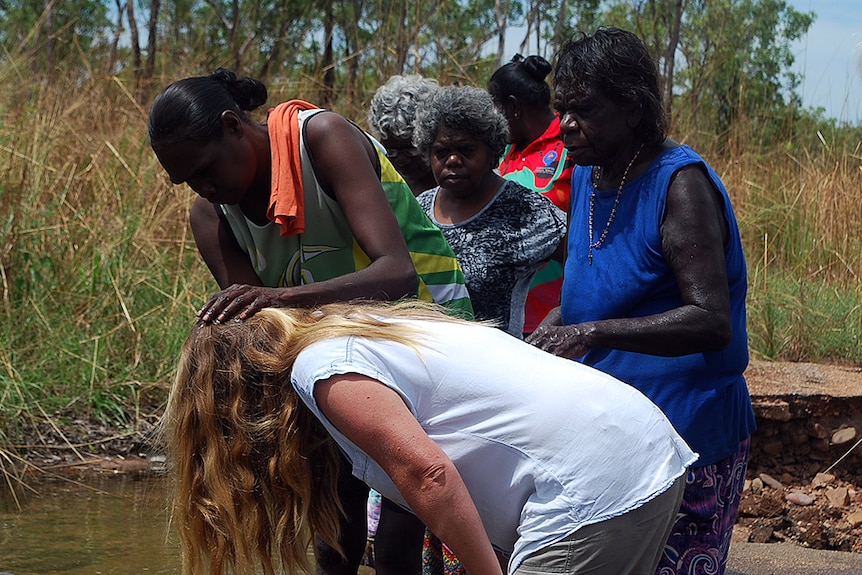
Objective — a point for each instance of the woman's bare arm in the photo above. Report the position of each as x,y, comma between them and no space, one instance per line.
375,418
215,242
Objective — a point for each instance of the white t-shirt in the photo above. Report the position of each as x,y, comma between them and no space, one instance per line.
544,445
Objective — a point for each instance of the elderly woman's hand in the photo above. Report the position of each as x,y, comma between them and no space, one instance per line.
565,341
240,302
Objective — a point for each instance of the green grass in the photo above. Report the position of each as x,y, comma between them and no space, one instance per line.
796,319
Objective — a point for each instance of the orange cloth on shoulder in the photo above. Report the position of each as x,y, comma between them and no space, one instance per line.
286,199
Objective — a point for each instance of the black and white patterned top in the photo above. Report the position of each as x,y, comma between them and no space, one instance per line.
500,249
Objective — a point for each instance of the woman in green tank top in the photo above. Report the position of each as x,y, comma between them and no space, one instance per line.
362,234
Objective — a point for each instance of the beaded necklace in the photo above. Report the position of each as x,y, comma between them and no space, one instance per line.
594,245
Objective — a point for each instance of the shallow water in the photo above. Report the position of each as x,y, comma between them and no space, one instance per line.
104,525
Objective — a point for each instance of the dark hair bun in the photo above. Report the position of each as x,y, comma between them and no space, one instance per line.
248,93
537,67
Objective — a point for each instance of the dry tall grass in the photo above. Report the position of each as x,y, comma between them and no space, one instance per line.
799,210
99,276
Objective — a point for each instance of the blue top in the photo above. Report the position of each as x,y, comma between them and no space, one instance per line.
703,394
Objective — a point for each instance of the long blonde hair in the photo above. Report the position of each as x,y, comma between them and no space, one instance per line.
254,470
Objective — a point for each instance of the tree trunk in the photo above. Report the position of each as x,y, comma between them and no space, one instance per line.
275,53
134,41
402,41
352,50
534,25
327,90
118,31
558,26
152,37
670,56
235,50
500,10
50,41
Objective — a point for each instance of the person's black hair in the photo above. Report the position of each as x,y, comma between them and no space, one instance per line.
617,64
191,109
523,78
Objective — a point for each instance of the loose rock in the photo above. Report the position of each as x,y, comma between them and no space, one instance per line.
843,436
838,497
822,479
799,498
770,481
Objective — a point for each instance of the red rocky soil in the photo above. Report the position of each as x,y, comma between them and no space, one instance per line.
805,472
804,479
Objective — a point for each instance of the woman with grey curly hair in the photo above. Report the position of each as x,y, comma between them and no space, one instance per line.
464,109
390,119
500,231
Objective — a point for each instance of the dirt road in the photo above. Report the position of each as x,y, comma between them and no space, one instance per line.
788,559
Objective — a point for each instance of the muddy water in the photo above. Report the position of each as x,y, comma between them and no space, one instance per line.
102,526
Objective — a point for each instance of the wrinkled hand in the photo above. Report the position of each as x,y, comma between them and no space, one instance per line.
238,302
565,341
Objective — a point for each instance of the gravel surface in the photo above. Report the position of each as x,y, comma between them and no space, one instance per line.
804,484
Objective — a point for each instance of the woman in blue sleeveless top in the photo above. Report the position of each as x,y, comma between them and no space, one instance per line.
655,279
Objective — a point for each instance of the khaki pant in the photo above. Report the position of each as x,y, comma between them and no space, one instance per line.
630,544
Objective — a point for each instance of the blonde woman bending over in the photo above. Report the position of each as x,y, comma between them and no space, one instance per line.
518,460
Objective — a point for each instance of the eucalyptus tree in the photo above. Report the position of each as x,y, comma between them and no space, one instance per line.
447,40
738,60
253,37
453,43
49,34
720,61
369,40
